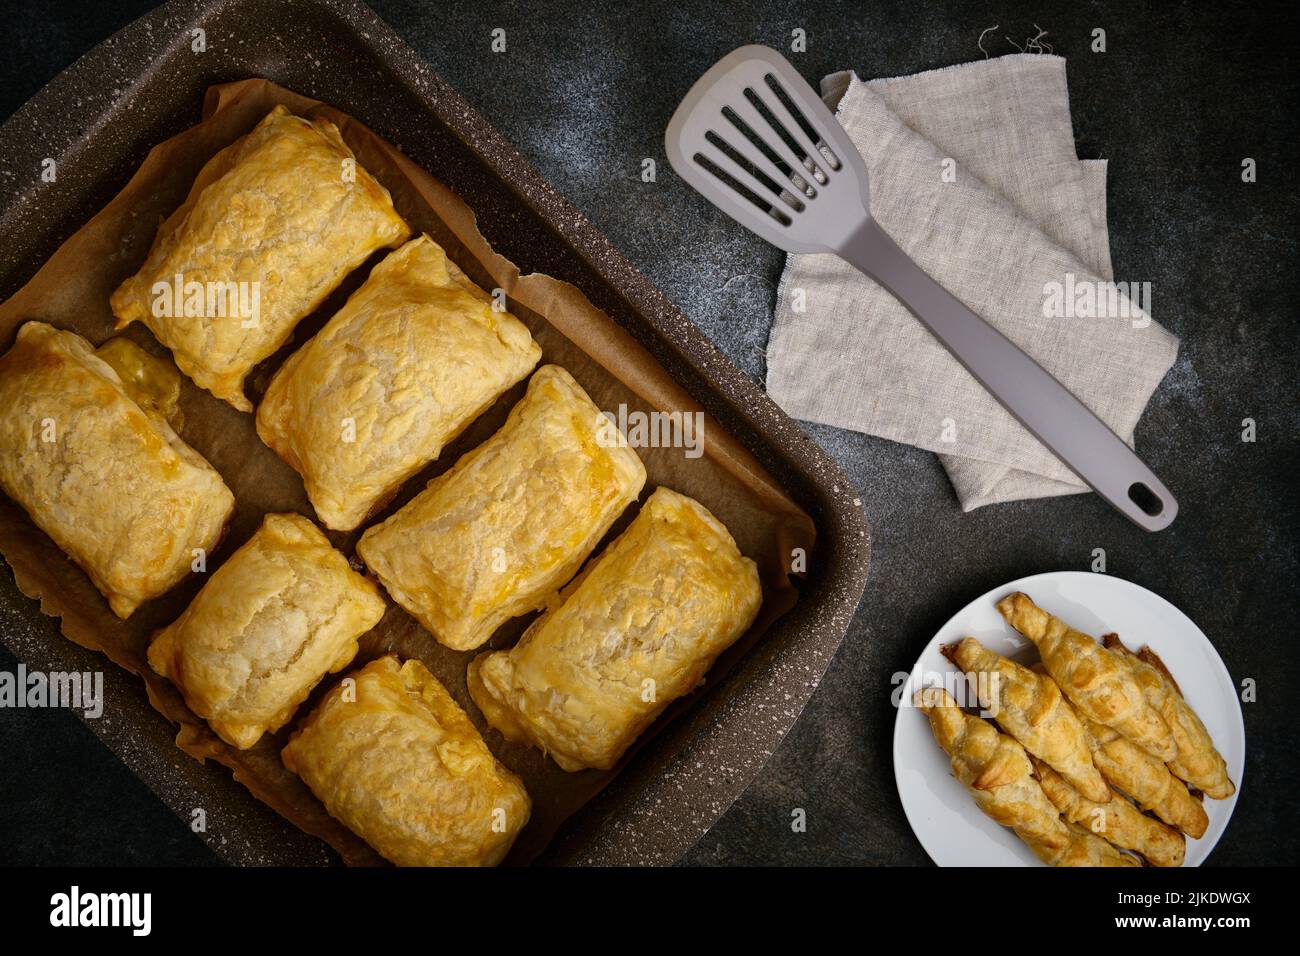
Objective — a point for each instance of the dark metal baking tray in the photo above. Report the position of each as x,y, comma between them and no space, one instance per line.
97,120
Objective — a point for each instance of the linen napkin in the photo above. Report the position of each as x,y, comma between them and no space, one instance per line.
974,174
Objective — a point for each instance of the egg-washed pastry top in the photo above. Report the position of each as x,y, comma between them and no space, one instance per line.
153,383
271,226
394,758
415,355
512,521
282,612
637,629
113,485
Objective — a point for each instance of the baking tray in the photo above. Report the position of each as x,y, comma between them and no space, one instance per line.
97,120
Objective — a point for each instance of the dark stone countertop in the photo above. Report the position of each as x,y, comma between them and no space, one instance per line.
1178,100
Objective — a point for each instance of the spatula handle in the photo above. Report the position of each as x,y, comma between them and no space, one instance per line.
1042,404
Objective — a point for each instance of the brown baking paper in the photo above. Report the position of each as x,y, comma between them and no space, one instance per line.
72,290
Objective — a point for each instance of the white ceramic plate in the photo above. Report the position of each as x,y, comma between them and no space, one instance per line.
944,817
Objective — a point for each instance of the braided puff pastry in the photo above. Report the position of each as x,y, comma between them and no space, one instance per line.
1144,778
395,759
113,485
283,213
1031,709
415,355
1083,849
1117,820
636,630
497,535
284,610
1097,684
995,771
1198,762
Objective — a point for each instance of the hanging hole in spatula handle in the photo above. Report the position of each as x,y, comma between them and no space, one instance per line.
1146,499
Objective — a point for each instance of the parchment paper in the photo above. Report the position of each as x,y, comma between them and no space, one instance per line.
71,291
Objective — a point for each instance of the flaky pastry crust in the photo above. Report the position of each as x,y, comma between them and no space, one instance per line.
1031,709
286,209
415,355
1199,761
1116,820
1098,685
995,771
497,535
113,485
396,760
1129,768
637,629
282,612
1085,849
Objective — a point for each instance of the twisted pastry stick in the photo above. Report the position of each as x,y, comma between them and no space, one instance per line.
1030,708
995,771
1198,762
1090,676
1116,820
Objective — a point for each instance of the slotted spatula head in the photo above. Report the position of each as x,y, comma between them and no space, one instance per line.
755,139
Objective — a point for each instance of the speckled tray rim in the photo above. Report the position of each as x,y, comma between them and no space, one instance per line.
661,804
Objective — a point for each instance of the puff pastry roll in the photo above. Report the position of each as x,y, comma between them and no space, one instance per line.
113,485
280,613
510,523
636,630
396,760
1198,761
1030,708
1144,778
996,772
1084,850
415,355
1116,820
270,227
1090,676
1130,769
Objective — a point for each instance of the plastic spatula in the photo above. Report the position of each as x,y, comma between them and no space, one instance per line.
758,143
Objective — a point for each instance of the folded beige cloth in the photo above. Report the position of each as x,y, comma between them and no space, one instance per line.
1023,212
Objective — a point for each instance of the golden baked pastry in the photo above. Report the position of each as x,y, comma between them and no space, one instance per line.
112,484
637,629
1030,708
280,613
1097,684
1083,849
270,227
1115,820
1131,770
396,760
1198,761
1144,778
995,771
415,355
497,535
153,383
